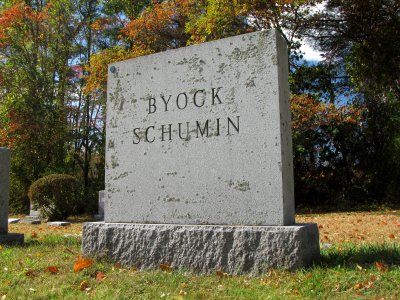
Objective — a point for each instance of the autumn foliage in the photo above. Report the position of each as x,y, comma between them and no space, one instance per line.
54,59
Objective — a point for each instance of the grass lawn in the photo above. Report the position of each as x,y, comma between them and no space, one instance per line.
360,259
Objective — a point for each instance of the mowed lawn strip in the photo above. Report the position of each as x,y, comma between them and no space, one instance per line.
359,268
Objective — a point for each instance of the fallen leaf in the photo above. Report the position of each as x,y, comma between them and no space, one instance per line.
382,223
165,267
391,236
52,270
221,274
359,267
84,285
70,251
82,263
358,286
182,293
3,297
100,276
381,266
369,285
34,235
30,273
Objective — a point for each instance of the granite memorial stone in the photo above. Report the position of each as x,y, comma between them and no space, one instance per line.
6,237
199,167
100,213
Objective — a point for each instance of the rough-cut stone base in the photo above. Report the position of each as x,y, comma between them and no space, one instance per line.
11,238
204,248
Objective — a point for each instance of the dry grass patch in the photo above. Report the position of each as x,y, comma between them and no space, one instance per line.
356,227
44,229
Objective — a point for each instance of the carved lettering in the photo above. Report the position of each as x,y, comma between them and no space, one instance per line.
164,132
147,135
205,129
166,102
136,134
152,105
177,100
194,98
234,126
215,95
180,131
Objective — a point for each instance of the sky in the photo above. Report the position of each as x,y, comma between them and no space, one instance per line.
310,53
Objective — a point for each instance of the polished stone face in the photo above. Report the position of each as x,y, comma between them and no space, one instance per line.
201,135
4,189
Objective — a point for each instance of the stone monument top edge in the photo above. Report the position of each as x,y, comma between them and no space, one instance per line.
272,31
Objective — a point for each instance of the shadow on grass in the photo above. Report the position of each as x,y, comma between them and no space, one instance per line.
50,240
362,255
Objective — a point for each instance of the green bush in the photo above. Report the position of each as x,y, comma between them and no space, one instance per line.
56,196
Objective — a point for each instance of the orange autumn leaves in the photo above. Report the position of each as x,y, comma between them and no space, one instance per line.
163,25
15,18
308,112
82,263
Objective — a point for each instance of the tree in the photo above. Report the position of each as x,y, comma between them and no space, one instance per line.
35,43
364,37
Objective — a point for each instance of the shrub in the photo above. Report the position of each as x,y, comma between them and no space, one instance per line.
56,196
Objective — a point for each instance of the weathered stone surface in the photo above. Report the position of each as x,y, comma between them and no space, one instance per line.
12,238
4,189
31,221
100,215
230,159
58,223
13,221
233,249
33,213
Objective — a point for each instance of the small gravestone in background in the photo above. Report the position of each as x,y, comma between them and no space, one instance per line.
33,214
33,218
6,237
100,214
199,170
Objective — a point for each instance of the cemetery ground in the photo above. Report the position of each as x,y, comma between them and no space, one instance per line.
360,259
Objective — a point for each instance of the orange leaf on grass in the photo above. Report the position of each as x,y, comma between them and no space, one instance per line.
358,286
52,270
165,267
84,285
34,235
30,273
391,236
100,276
82,263
221,274
381,266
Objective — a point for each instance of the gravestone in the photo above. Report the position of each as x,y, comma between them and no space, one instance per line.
33,214
6,237
33,218
100,212
199,168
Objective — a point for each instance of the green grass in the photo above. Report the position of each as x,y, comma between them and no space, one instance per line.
346,271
